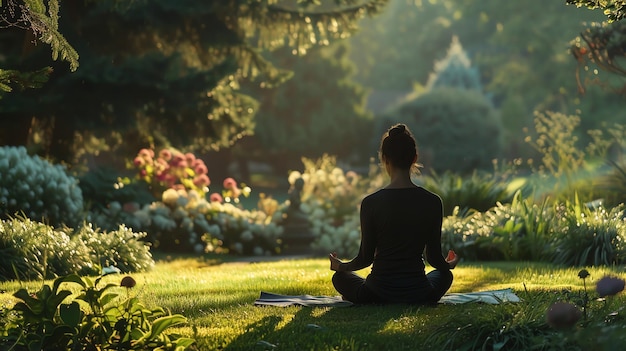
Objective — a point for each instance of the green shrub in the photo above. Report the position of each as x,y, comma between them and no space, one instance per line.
517,231
121,248
32,250
587,236
103,186
97,319
38,189
455,129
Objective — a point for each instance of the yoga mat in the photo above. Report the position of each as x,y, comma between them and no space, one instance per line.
493,297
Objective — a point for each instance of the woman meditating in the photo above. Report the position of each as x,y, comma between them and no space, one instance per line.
399,224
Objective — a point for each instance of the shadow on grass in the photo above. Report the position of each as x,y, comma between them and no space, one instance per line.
391,327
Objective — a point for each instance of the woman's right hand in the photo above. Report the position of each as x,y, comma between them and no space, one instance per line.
334,262
452,259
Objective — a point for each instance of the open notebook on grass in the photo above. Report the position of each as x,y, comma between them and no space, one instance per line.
490,297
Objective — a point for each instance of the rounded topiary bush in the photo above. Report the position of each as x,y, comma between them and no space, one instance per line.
456,129
38,189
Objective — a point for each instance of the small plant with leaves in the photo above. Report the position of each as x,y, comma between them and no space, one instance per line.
96,319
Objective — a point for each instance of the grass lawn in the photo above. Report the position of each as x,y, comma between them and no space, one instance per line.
217,295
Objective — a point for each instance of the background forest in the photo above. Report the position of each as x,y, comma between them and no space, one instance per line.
336,99
195,123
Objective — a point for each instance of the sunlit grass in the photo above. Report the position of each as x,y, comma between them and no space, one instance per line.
217,297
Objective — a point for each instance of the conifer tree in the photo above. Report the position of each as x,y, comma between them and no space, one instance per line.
40,19
455,70
167,72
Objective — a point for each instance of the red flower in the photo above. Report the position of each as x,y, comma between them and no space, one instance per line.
201,180
146,153
230,183
139,161
215,197
190,158
200,167
165,154
177,160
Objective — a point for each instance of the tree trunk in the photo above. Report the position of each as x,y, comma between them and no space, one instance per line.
15,130
61,141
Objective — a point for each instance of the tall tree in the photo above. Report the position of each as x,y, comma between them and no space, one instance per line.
163,72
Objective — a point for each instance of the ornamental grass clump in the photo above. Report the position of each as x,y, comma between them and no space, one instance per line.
38,189
589,236
519,230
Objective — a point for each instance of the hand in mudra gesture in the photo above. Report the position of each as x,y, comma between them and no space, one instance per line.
452,259
334,261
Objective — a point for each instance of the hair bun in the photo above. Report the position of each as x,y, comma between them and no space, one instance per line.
397,129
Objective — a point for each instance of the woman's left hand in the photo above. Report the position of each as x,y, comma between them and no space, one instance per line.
334,262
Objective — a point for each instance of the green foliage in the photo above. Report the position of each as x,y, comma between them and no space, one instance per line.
479,191
568,233
96,319
602,45
615,10
456,130
38,189
556,141
585,236
23,80
184,73
455,70
32,250
311,114
103,186
613,185
517,231
41,17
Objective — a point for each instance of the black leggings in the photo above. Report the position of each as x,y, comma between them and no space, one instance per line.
352,287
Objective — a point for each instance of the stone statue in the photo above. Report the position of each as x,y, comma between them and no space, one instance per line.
297,236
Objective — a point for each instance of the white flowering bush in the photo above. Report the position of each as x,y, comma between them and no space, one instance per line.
185,221
123,248
331,199
38,189
33,250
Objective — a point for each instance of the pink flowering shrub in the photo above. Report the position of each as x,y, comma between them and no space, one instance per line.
172,169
